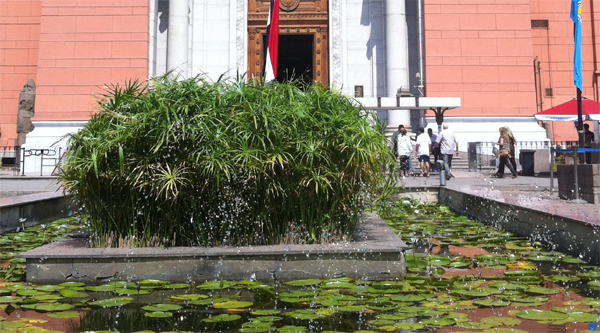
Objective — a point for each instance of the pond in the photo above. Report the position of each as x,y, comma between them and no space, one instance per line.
463,277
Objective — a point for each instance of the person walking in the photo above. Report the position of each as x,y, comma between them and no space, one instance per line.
404,150
434,151
423,150
504,143
512,151
448,145
588,137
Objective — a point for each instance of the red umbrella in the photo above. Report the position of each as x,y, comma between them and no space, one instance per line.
590,110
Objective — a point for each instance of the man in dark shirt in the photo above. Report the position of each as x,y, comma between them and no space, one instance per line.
588,138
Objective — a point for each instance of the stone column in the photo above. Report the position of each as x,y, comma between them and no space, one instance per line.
177,37
396,56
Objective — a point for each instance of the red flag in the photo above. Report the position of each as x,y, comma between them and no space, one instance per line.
270,69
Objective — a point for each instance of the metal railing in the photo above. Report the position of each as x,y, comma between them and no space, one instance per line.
10,157
48,158
481,155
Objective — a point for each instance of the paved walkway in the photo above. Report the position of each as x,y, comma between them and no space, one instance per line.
529,192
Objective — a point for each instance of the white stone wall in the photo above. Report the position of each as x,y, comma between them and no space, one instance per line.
363,24
214,32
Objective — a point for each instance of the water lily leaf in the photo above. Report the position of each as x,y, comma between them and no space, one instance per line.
299,294
521,272
408,298
304,283
265,312
188,297
222,318
30,292
64,315
232,305
399,316
292,329
594,284
501,321
176,286
538,315
216,285
474,326
161,307
583,317
208,301
570,309
561,278
69,293
123,291
257,324
541,291
154,283
438,322
571,260
381,322
491,303
111,302
52,307
72,284
409,326
46,298
49,288
9,299
158,314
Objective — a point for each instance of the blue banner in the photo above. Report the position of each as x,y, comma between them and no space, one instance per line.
576,17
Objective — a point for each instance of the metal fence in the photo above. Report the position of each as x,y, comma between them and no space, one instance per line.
34,161
481,155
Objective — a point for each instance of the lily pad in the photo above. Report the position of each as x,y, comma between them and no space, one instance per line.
111,302
265,312
158,314
232,305
52,307
64,315
69,293
501,321
176,286
222,318
153,283
409,326
304,283
541,315
161,307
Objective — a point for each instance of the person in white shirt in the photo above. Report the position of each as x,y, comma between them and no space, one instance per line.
423,151
448,145
404,150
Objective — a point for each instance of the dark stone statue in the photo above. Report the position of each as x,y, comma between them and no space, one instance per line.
26,111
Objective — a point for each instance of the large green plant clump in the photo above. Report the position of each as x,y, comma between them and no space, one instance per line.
195,163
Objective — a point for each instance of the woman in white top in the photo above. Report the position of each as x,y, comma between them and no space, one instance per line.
404,150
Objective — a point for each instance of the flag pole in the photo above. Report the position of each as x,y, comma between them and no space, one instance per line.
579,125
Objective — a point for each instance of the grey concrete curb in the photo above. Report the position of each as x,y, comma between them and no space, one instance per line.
575,237
375,253
33,209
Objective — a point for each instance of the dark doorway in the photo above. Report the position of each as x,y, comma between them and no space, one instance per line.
295,58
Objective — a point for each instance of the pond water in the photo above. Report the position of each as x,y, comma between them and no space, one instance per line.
463,277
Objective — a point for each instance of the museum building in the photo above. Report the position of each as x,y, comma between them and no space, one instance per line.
486,63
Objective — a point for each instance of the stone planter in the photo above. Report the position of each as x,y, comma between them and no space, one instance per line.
589,182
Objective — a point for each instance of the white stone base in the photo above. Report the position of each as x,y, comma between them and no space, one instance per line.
52,136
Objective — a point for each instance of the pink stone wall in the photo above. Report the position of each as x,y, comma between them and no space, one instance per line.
19,35
480,51
83,46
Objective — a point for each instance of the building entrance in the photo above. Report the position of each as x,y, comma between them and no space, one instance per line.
303,39
295,58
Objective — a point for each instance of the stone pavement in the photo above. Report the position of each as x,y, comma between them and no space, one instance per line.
12,185
529,192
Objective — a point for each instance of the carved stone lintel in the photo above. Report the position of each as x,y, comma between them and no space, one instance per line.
26,111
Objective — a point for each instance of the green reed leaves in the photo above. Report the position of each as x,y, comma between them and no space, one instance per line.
236,163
